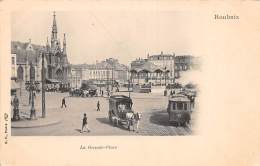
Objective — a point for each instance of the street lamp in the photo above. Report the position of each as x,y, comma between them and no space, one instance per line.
107,79
43,88
165,91
112,77
165,75
129,88
32,86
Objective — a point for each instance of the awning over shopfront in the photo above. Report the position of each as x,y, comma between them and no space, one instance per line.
52,81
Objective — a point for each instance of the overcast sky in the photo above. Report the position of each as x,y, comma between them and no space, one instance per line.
123,35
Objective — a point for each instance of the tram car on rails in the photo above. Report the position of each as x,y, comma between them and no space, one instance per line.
120,111
179,110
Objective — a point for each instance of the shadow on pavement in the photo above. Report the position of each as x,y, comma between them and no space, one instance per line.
104,120
78,130
160,118
107,122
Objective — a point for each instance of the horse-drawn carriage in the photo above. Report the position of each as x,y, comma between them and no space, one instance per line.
120,111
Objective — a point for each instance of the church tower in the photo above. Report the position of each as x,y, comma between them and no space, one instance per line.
64,45
58,66
54,32
47,45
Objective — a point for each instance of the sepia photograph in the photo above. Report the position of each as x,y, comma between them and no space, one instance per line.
79,74
152,82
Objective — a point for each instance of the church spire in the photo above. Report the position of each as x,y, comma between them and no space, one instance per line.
54,28
47,45
64,44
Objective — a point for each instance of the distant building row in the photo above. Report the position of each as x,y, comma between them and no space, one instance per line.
162,68
104,72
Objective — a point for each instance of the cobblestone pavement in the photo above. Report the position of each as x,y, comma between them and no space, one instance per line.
154,120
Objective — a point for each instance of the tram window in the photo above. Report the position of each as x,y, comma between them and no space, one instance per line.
179,106
174,106
185,106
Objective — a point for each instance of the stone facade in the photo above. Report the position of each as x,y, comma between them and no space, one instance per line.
56,62
162,68
100,73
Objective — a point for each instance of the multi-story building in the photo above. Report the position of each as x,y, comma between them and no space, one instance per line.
76,76
162,68
154,69
104,72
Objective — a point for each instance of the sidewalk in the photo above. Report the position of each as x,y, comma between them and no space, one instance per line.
52,113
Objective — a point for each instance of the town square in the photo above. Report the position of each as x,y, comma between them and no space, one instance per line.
154,94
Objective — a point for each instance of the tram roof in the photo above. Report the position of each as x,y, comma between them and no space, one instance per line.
120,97
179,98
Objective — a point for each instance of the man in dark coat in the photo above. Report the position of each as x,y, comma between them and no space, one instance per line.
98,106
63,103
15,102
85,123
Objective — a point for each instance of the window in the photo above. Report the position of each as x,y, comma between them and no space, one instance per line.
185,106
179,106
13,61
174,106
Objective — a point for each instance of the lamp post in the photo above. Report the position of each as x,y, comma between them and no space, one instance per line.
32,86
165,76
43,88
20,81
165,91
107,78
129,88
112,83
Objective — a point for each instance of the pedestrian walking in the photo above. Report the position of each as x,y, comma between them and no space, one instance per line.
63,103
85,123
102,93
98,106
15,102
16,108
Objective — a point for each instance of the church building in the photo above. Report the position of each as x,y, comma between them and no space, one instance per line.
56,62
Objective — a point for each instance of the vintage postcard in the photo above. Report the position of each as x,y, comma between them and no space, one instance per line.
176,81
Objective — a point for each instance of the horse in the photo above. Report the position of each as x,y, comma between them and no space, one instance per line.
133,120
137,118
